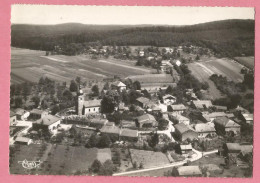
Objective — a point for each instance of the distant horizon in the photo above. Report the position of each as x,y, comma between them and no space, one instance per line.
125,15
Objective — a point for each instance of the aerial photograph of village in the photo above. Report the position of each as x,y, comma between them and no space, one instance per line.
132,91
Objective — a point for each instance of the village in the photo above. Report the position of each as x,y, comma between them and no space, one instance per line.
133,126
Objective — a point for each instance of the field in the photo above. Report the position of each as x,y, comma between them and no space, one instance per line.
246,61
58,159
204,69
148,158
30,65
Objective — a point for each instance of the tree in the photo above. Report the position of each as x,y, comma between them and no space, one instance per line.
93,141
55,109
73,86
154,140
36,100
104,141
133,95
67,94
136,85
95,167
18,102
106,86
78,80
109,102
197,57
95,90
162,124
107,168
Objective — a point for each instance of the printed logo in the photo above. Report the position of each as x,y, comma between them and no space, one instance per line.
30,164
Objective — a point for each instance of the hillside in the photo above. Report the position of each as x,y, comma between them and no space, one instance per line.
228,38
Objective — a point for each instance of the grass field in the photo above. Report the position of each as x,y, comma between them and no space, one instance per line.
204,69
148,158
30,65
246,61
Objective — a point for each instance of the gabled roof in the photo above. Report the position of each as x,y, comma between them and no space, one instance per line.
182,128
110,129
248,116
119,84
178,107
129,133
92,103
186,147
22,139
179,117
48,120
37,111
225,122
98,121
168,96
199,104
233,147
143,100
146,118
204,127
189,171
12,113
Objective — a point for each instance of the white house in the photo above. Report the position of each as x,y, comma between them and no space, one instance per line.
21,114
89,106
169,99
49,122
23,140
118,85
179,118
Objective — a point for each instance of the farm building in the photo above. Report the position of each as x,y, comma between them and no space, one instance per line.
247,118
23,140
185,149
224,125
12,118
146,120
179,118
143,102
112,131
118,85
128,124
201,104
187,171
86,107
236,148
129,135
169,99
48,122
205,130
183,132
176,109
36,114
98,123
21,114
209,117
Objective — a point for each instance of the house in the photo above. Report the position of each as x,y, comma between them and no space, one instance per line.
146,120
179,118
220,108
129,135
177,62
169,99
176,109
201,104
141,53
191,95
98,123
247,118
209,117
122,107
187,171
128,124
112,131
23,140
168,50
36,114
118,85
86,107
12,117
166,66
185,149
205,130
21,114
48,122
183,132
236,148
143,102
225,125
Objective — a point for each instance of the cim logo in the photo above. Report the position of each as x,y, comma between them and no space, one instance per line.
30,164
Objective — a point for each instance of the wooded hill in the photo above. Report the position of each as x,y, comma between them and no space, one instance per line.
226,38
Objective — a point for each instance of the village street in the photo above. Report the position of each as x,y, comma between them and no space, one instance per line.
194,158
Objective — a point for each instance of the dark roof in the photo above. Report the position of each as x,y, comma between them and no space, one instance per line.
92,103
143,100
99,121
226,122
37,111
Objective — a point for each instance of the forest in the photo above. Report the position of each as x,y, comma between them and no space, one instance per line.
227,38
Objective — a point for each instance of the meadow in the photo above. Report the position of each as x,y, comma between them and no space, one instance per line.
246,61
31,65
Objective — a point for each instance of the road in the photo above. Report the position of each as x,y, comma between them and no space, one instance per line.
195,158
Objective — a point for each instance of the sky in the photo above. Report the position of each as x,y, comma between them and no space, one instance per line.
124,15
